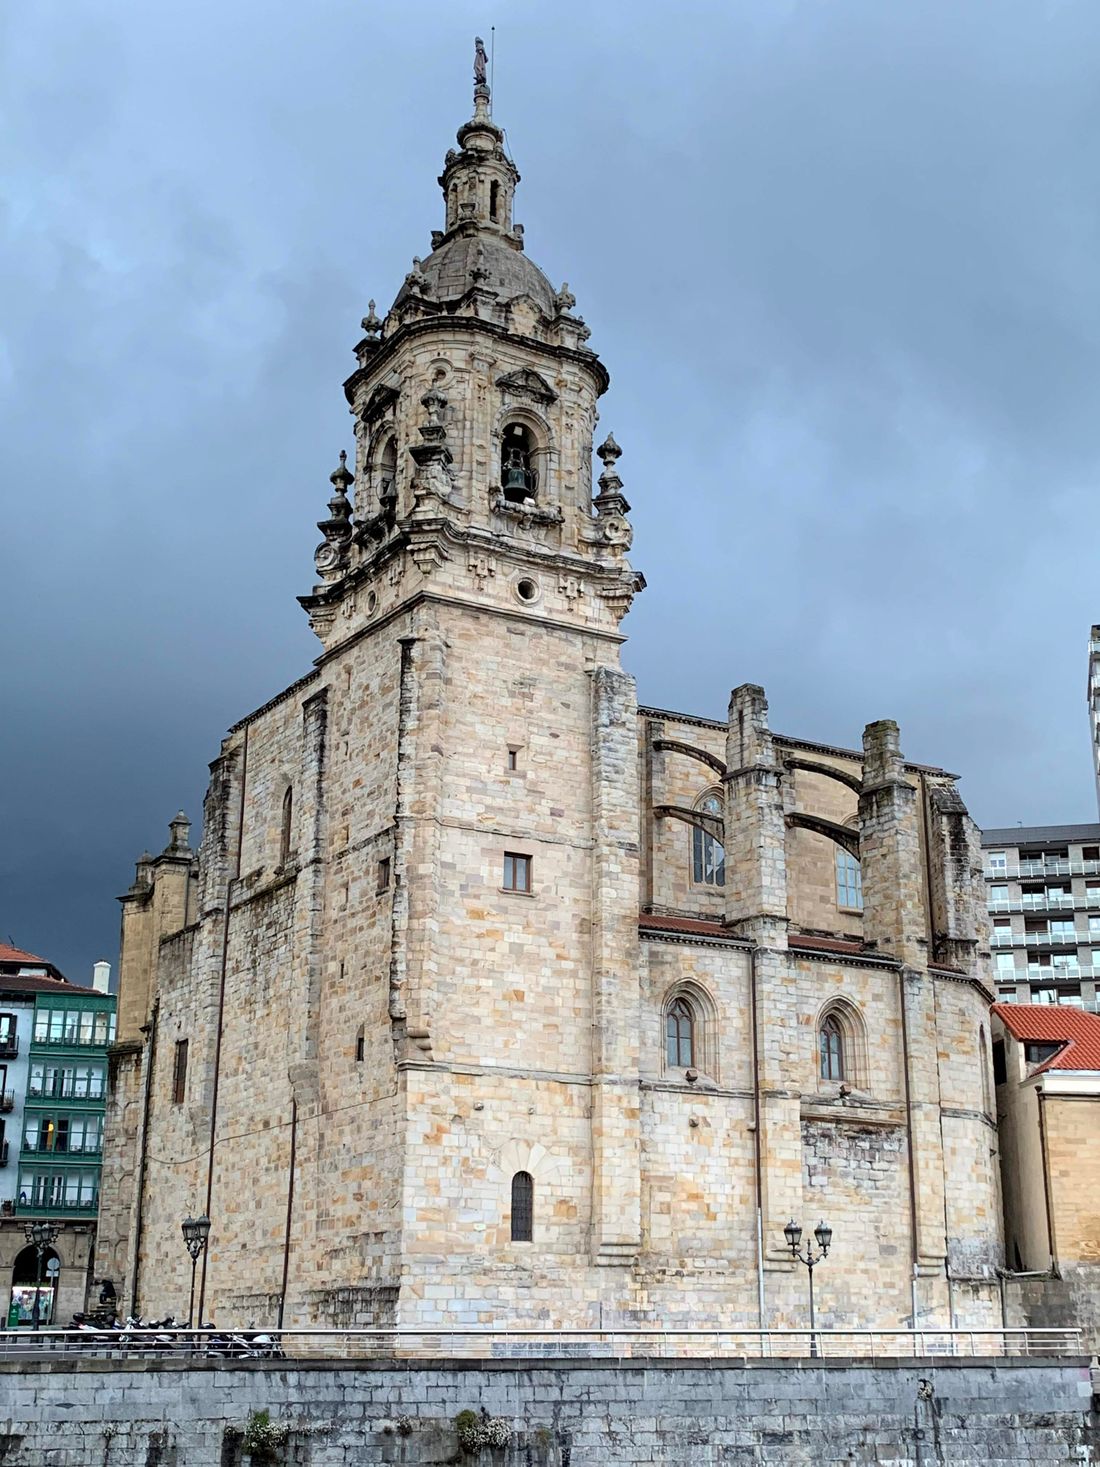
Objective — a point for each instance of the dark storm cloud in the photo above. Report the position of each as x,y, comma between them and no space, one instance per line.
839,258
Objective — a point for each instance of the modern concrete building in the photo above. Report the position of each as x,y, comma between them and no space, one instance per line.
1043,894
1094,705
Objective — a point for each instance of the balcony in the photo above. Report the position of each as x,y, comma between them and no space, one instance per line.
1004,939
1036,870
32,1208
70,1091
69,1152
1047,901
9,1045
1051,939
7,1100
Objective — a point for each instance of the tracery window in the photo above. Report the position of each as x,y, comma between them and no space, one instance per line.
680,1035
708,856
523,1207
831,1049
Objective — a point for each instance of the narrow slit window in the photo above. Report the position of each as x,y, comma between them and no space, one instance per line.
360,1044
523,1207
384,873
513,759
288,821
179,1073
517,872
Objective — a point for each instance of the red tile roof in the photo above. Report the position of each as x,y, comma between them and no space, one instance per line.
16,955
698,925
702,927
1043,1023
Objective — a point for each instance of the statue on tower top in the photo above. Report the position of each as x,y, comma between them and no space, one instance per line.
481,62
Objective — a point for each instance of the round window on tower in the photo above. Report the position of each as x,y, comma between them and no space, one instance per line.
518,475
527,590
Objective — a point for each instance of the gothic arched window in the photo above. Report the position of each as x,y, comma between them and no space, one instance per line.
831,1048
680,1035
288,821
523,1207
708,857
518,477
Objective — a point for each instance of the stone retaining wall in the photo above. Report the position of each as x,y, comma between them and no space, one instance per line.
915,1413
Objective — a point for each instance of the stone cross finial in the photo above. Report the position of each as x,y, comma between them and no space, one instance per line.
370,323
331,556
564,299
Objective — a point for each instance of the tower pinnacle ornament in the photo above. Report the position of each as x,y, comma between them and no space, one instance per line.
331,555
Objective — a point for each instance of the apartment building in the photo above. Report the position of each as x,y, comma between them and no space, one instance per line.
1094,705
1043,893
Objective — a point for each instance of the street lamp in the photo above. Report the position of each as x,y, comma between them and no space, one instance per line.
42,1235
824,1235
195,1231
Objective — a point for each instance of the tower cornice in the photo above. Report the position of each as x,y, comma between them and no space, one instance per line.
388,349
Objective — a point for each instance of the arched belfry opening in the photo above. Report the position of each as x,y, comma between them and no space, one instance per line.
518,475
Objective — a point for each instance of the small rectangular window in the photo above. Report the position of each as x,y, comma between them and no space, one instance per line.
517,872
849,881
513,759
384,873
179,1073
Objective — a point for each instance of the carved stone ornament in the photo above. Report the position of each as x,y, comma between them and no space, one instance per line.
380,399
331,557
527,383
564,299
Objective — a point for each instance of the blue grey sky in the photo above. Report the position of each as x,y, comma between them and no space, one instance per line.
841,262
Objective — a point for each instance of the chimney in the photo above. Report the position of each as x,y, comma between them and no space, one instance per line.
101,977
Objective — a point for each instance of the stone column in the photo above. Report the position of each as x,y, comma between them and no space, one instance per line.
895,921
616,1114
756,906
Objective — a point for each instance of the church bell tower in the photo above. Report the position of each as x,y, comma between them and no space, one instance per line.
474,402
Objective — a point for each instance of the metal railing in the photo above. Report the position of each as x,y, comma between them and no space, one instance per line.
1030,870
484,1342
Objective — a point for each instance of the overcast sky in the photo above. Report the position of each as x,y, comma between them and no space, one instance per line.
841,262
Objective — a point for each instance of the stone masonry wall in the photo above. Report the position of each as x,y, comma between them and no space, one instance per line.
832,1413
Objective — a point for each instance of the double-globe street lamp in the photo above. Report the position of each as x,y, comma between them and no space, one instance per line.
42,1235
196,1230
824,1235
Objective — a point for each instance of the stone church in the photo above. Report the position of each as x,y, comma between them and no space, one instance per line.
492,997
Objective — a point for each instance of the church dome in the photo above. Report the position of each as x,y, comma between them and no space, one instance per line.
481,258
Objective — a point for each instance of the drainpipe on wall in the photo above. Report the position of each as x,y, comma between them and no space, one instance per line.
146,1106
229,882
757,1155
289,1206
913,1254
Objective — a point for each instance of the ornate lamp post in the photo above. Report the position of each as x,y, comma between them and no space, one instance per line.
196,1230
824,1235
42,1235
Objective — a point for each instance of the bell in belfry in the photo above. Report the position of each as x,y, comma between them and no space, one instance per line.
516,478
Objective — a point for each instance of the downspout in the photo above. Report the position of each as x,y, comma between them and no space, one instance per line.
221,1012
146,1107
757,1157
289,1206
913,1254
1041,1097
